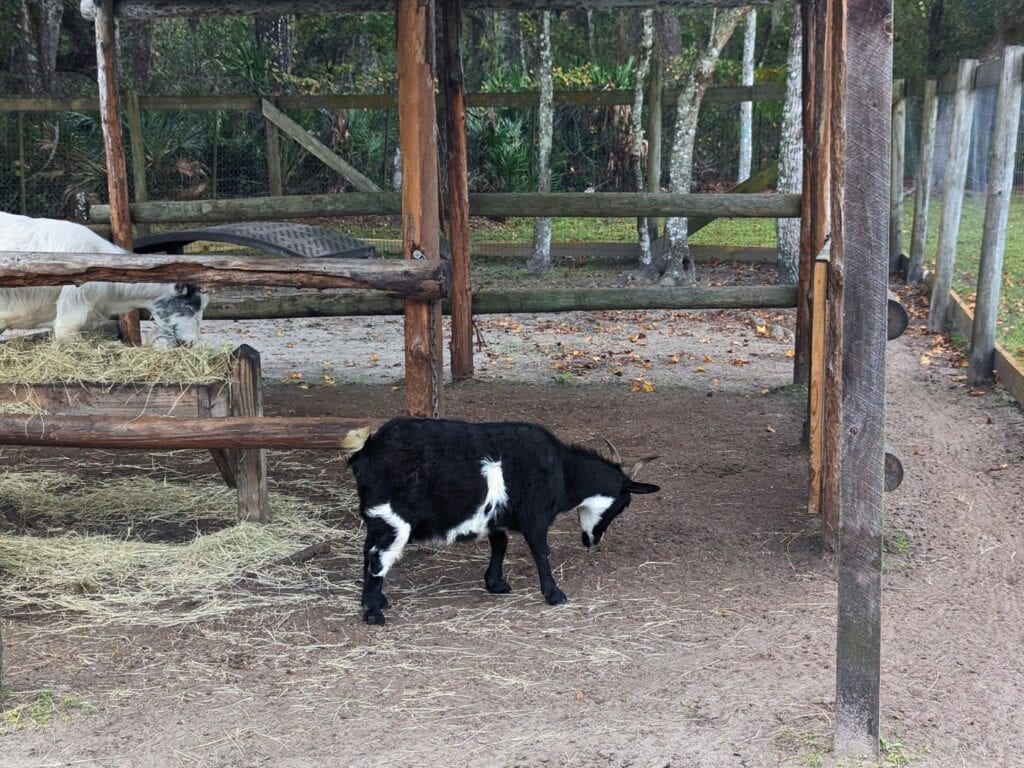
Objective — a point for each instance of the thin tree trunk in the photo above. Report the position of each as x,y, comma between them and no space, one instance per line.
677,266
747,107
637,126
791,158
274,33
591,35
141,53
540,261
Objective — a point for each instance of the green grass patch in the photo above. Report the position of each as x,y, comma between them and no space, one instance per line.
30,709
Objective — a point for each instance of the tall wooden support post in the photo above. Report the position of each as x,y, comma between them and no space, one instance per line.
654,137
22,168
113,146
898,139
814,225
997,212
923,183
420,222
862,112
138,144
953,193
246,399
274,179
454,93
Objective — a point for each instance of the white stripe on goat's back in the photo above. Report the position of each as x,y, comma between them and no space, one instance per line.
495,498
390,555
591,509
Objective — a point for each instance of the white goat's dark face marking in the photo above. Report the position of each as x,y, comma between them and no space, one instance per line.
177,316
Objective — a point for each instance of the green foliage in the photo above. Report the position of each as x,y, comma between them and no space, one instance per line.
508,157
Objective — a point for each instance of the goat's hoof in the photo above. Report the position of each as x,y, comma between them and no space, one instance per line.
498,587
374,616
556,597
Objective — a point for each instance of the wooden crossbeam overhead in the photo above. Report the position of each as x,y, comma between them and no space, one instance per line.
151,9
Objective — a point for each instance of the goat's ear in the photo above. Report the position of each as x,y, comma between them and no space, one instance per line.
642,488
636,466
180,289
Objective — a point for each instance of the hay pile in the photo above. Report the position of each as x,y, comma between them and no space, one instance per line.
90,360
53,564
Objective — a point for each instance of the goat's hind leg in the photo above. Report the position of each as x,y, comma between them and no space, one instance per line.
493,579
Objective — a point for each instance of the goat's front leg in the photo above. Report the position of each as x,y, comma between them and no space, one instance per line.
386,535
493,579
538,542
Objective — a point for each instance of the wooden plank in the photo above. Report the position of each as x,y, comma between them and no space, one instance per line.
760,181
211,404
816,387
953,194
453,85
427,280
246,400
113,147
860,233
105,399
1008,370
923,184
528,204
316,148
997,211
511,302
421,228
897,144
151,9
242,434
138,145
274,178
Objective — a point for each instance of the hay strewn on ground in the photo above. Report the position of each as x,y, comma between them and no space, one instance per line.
100,361
54,565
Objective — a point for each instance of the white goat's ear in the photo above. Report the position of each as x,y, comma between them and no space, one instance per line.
637,465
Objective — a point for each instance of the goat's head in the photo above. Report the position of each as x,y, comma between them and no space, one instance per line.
614,486
177,315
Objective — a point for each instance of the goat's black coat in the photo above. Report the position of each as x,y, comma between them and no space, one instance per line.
429,472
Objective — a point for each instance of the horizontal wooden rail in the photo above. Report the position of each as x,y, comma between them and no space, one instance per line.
574,204
406,278
721,94
170,433
511,302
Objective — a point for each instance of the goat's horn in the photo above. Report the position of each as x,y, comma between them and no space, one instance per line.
615,453
639,464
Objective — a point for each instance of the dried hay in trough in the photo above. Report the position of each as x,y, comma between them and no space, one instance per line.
89,360
72,546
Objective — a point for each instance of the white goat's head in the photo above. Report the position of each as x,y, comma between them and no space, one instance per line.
177,315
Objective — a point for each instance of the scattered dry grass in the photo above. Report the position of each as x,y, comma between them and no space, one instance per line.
99,361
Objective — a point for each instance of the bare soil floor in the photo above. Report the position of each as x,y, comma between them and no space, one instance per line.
700,633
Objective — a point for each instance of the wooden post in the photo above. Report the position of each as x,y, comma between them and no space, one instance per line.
814,223
997,211
22,188
216,155
816,385
137,139
862,113
250,465
654,137
273,159
953,193
113,146
458,191
898,139
420,223
923,184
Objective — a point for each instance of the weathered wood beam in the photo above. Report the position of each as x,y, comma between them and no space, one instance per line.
318,149
860,235
421,280
511,302
760,181
529,204
923,183
149,9
898,141
170,433
246,400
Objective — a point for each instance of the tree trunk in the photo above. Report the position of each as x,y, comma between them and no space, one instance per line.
34,61
747,107
141,52
791,158
677,266
274,34
935,50
591,35
540,261
637,126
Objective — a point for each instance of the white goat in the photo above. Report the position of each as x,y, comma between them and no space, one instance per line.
176,309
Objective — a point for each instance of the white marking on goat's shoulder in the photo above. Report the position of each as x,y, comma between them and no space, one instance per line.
591,509
393,552
496,498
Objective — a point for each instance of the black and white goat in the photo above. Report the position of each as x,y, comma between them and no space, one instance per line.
176,309
438,480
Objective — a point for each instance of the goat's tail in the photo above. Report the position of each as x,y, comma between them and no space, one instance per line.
355,439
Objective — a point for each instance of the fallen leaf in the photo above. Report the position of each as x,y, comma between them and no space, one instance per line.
740,361
919,452
708,359
673,359
770,428
579,695
699,369
998,468
790,353
925,360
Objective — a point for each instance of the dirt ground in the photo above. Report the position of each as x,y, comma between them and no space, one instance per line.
701,632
